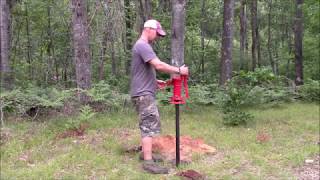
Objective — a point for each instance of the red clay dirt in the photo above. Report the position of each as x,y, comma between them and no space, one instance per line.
75,132
191,175
166,146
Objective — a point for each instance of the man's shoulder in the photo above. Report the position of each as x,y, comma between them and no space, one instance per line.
141,44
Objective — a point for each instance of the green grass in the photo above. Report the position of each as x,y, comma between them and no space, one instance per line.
33,152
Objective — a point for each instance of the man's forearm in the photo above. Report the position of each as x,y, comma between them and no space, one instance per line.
164,67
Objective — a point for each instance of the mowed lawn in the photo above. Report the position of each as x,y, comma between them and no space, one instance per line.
279,140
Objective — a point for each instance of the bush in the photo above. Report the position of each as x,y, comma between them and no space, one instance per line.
261,76
33,100
22,100
310,91
86,113
108,99
232,105
236,117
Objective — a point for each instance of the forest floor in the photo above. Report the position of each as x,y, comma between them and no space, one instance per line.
281,143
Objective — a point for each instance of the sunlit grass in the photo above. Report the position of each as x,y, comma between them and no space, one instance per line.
34,152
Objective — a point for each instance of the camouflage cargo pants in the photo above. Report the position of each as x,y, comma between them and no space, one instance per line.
146,107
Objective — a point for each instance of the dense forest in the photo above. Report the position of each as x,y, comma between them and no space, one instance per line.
51,50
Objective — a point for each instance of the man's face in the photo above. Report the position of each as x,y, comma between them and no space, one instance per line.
153,35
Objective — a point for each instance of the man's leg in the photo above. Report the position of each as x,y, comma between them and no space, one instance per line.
147,147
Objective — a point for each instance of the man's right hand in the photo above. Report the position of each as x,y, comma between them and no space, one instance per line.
184,70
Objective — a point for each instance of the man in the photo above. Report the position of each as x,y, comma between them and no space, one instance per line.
143,88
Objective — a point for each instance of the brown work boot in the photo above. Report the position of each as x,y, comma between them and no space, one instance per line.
155,157
153,168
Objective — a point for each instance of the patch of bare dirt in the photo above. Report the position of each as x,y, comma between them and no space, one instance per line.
310,170
191,175
75,132
263,137
166,146
124,134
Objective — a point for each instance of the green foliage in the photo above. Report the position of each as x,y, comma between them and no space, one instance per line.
261,76
235,117
21,100
236,96
102,93
310,91
86,113
202,94
164,96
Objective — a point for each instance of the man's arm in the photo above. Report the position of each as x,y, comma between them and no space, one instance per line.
166,68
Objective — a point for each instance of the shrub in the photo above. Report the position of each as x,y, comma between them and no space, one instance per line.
261,76
310,91
102,94
232,105
86,113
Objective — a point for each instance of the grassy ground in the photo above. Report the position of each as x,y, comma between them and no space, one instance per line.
292,135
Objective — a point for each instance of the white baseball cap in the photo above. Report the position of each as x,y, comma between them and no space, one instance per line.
154,24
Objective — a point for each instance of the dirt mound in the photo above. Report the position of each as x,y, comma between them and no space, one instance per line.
74,132
166,146
191,175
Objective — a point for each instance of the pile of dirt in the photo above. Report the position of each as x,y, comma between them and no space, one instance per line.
166,146
191,175
310,170
74,132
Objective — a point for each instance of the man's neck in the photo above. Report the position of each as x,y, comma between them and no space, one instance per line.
144,38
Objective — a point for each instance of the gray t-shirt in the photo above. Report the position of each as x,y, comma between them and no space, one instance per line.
143,75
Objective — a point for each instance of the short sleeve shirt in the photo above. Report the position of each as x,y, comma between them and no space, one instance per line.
143,75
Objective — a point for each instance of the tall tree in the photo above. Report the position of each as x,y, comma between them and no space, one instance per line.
298,35
144,12
202,27
243,32
50,47
5,39
254,30
226,45
128,34
269,37
178,32
164,5
81,46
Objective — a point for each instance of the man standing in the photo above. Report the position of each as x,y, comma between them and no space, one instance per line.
143,88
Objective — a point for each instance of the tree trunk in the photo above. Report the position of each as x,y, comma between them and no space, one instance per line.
128,37
147,9
258,46
269,38
298,36
203,14
178,32
5,24
50,63
254,33
226,46
144,12
113,58
29,47
102,57
81,46
243,33
164,6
